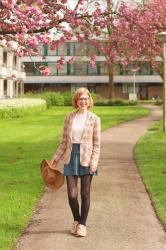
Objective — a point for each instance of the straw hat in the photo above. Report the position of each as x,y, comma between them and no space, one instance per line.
53,178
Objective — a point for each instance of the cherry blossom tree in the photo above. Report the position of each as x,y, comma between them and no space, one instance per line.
46,22
125,34
30,22
98,31
137,30
53,22
129,34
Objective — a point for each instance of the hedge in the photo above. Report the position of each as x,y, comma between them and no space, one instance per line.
65,99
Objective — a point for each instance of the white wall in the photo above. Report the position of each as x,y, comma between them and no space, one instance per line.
89,79
10,82
1,88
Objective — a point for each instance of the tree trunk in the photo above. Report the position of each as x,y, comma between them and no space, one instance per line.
111,90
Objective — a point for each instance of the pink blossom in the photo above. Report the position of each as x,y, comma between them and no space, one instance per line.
32,41
97,12
93,61
129,35
9,3
72,60
64,1
58,66
45,71
13,76
81,2
43,39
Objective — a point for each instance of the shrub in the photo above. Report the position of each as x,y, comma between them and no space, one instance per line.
154,101
95,97
53,98
67,98
131,103
114,102
159,102
118,102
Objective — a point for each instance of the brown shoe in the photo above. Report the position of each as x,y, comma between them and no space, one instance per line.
81,230
74,227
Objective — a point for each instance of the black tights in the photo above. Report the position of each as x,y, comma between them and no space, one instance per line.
85,197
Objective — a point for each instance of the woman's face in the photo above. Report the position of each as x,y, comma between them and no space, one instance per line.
83,102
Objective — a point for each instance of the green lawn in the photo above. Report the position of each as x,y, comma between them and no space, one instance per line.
24,142
150,155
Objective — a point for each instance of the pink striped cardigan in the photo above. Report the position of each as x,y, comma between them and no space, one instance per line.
90,142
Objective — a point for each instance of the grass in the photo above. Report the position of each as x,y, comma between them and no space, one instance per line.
111,116
150,155
24,142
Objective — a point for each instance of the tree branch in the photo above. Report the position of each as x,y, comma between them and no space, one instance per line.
51,25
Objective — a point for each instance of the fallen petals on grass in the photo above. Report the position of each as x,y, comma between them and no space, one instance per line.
19,107
20,102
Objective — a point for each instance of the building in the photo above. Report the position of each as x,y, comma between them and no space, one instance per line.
146,83
12,74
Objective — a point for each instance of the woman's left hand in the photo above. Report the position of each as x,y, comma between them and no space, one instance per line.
92,169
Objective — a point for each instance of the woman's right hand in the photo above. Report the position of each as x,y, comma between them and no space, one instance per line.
53,164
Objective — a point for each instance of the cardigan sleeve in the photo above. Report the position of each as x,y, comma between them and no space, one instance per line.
96,143
62,146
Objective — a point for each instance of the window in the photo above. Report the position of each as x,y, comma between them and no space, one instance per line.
62,49
79,69
92,71
116,69
129,88
103,68
63,70
14,61
54,71
92,50
43,50
124,89
1,55
80,49
5,87
71,49
145,68
29,69
5,57
52,52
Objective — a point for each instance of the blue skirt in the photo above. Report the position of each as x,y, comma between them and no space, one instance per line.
74,167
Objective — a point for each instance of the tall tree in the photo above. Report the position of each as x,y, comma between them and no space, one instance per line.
99,32
121,33
47,22
137,30
31,22
129,34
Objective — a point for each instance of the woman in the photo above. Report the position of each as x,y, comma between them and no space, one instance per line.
79,149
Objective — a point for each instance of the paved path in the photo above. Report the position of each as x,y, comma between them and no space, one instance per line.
121,215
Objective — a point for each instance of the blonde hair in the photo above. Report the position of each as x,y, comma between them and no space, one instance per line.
77,95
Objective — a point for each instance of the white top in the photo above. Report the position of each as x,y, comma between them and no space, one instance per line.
78,127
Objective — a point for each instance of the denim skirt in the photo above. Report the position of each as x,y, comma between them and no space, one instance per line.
74,167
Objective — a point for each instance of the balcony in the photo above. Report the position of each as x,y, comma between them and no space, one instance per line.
92,79
12,74
3,72
21,75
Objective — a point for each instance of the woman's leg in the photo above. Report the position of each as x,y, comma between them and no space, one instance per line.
72,196
85,197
